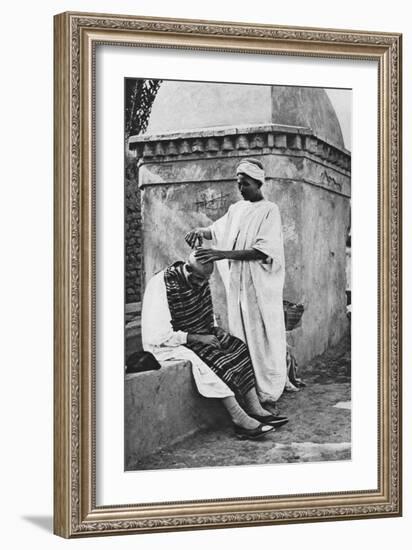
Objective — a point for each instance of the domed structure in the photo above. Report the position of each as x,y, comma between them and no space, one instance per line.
296,106
189,105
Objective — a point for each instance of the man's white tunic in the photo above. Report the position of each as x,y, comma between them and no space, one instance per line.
254,289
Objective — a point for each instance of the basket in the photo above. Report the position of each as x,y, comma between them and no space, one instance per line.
293,314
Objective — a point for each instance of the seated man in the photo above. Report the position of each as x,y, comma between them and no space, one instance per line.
178,323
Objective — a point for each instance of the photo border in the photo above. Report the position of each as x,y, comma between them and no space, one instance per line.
76,37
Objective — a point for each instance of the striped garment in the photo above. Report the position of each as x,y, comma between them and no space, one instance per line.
191,311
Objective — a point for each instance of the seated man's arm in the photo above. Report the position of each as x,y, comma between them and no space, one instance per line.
206,339
157,328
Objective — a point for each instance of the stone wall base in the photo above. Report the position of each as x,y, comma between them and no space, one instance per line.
163,407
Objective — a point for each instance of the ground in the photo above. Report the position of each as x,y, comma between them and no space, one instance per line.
319,427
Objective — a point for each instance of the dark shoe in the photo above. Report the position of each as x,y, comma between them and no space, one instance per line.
271,408
256,433
271,419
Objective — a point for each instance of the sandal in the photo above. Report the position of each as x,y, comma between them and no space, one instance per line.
255,433
271,419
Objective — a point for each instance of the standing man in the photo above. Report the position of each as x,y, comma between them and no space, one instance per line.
248,249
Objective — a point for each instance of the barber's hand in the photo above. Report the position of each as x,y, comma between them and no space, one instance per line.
207,255
194,237
206,339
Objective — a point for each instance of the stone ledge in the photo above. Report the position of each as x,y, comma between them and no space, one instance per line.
132,310
163,407
219,131
133,336
230,139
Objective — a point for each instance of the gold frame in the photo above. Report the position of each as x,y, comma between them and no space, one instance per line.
75,510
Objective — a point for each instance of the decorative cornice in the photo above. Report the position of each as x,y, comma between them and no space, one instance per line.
238,140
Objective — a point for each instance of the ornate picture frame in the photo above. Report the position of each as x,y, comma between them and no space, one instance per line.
76,512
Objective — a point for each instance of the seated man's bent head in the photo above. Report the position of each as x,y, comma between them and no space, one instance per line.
197,274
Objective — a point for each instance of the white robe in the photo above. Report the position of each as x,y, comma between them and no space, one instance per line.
254,289
159,338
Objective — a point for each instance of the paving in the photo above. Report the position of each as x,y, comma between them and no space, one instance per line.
319,427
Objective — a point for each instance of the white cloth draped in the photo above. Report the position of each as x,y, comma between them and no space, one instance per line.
254,289
159,338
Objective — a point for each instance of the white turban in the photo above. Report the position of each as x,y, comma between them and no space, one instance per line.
251,169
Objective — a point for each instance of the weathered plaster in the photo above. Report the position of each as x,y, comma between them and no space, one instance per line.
313,195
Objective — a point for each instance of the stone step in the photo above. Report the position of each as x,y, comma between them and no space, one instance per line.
133,311
133,335
163,407
133,307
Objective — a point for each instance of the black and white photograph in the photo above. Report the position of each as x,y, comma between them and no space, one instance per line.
237,248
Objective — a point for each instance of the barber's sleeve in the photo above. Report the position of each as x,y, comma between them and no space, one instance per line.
269,239
218,229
